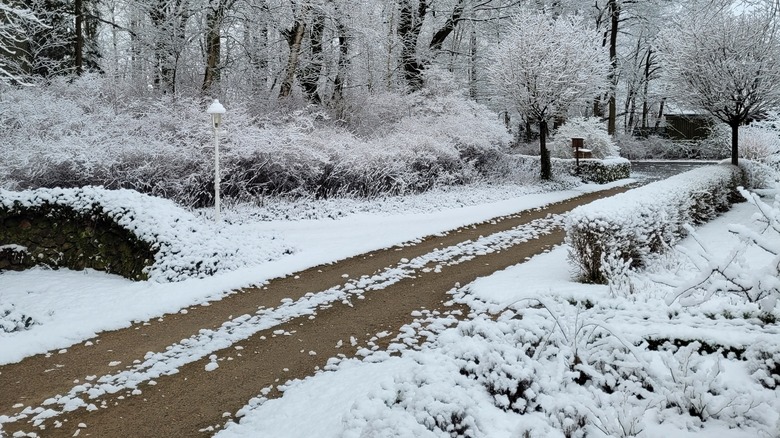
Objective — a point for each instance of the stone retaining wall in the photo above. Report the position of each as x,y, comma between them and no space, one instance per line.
58,236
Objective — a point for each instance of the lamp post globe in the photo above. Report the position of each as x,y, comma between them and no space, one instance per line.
216,110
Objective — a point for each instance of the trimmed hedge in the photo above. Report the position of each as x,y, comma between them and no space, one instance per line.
629,226
604,171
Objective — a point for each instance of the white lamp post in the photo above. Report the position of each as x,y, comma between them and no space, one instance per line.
216,110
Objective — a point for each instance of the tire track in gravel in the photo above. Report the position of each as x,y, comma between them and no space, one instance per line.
193,399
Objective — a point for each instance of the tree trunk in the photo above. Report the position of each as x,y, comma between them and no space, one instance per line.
597,110
256,43
294,40
660,113
441,35
645,88
213,46
544,153
409,27
338,83
309,76
615,21
734,142
473,64
78,55
170,21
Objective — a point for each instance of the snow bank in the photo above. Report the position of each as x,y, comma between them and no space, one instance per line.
183,246
625,228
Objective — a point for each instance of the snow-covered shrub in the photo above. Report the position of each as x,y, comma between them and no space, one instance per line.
419,405
617,272
182,245
646,220
651,147
507,371
732,272
764,364
525,169
757,143
562,365
619,414
716,146
72,134
757,175
696,386
594,133
12,320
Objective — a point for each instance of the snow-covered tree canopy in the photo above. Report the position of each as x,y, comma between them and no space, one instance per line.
544,65
725,64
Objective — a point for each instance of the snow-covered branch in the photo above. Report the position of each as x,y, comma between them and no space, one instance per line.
732,272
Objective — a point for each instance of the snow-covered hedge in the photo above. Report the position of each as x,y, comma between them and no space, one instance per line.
178,245
625,228
597,171
604,171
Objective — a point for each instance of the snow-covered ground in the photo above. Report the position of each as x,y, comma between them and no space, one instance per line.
510,369
70,307
539,356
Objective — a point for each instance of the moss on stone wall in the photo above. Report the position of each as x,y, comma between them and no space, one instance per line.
58,236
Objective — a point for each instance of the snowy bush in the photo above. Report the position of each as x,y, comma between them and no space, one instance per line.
12,320
506,371
696,386
646,220
72,134
757,175
716,146
183,246
757,143
594,133
554,369
764,364
652,147
560,366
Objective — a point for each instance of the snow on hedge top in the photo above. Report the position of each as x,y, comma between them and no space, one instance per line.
653,198
184,245
630,226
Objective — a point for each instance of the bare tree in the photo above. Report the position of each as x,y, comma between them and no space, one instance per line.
294,37
410,21
12,38
169,37
216,11
727,65
544,66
